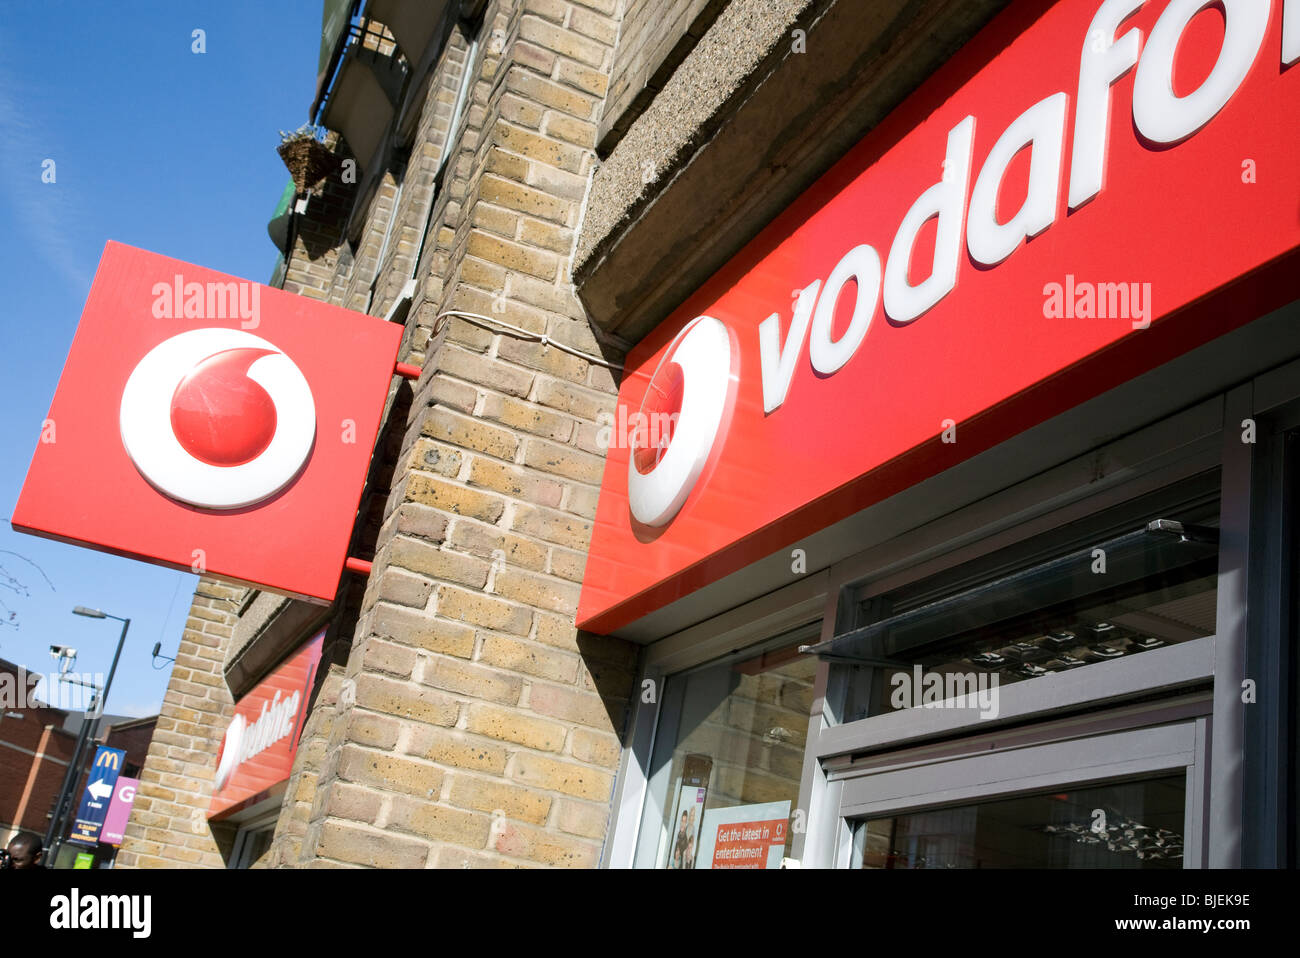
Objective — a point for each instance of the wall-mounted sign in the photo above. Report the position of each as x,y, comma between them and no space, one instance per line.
1061,207
260,742
212,424
100,785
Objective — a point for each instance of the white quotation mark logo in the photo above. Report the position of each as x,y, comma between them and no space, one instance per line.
218,418
690,388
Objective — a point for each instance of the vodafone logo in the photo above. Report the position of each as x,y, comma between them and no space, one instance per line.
690,387
217,418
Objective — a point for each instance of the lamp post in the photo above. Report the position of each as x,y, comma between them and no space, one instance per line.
89,729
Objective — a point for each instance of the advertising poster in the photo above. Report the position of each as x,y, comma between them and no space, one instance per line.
744,836
688,811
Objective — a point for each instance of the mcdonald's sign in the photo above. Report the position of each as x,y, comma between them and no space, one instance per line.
99,789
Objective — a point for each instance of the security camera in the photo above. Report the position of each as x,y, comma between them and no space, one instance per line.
64,656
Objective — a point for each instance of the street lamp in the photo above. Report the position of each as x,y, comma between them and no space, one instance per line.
89,729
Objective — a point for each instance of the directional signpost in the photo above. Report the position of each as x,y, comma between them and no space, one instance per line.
94,803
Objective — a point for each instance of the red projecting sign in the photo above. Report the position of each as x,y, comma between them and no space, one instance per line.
1061,207
208,423
262,738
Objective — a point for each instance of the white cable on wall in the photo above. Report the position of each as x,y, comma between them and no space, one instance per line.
497,325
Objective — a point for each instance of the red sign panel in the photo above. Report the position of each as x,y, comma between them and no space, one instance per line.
262,739
208,423
1059,208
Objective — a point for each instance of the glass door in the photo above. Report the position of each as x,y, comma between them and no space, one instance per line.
1118,790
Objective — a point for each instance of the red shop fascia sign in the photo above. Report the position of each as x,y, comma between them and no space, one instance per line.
262,738
1061,207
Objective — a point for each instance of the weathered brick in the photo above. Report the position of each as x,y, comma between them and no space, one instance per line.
537,147
487,611
566,461
603,29
515,801
540,356
513,256
586,708
469,433
385,770
353,802
476,681
568,565
486,372
516,196
448,748
434,633
575,400
564,42
552,526
497,546
367,728
581,818
453,498
434,457
442,823
552,94
405,699
596,748
525,416
575,131
439,563
546,235
522,841
397,585
582,501
381,656
448,392
540,591
351,843
529,658
517,727
583,77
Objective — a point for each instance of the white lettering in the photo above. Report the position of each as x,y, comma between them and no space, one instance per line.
1098,70
1042,128
1163,117
947,201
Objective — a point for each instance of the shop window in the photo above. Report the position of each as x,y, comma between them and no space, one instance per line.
734,751
1127,825
1128,583
253,840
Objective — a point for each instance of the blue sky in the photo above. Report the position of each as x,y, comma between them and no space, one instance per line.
158,147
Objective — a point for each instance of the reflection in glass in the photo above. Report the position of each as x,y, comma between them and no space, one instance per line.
1128,825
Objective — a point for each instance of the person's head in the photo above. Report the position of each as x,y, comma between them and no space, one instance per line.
26,850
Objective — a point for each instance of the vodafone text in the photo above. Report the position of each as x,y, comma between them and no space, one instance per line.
244,741
1159,115
234,300
75,911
